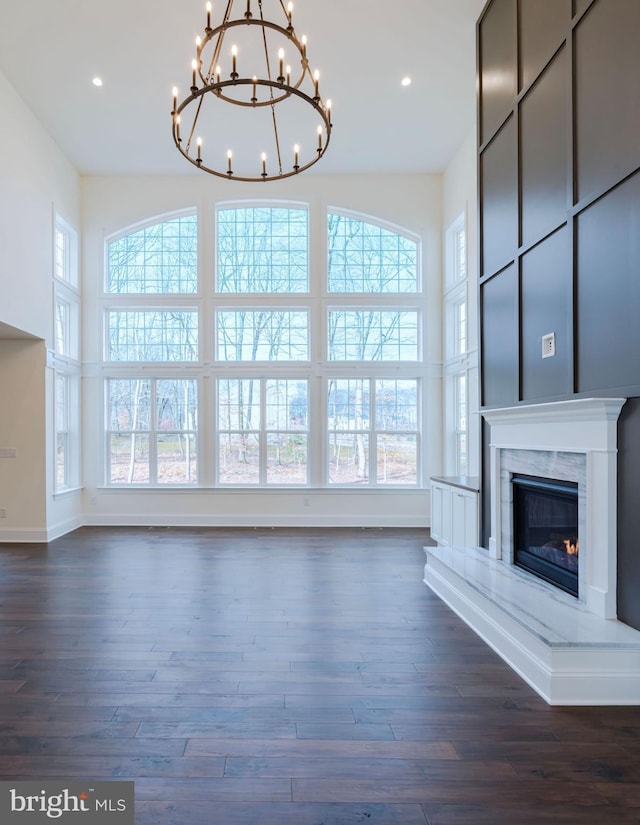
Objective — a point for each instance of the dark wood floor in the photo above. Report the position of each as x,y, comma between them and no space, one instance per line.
285,677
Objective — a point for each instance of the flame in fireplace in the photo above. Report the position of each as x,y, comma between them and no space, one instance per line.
571,546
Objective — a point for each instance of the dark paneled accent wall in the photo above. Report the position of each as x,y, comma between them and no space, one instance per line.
559,212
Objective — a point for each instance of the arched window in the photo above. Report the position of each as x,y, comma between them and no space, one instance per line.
314,361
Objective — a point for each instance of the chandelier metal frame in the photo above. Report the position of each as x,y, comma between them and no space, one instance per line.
277,89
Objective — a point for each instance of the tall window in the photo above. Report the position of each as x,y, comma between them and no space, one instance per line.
314,374
375,332
456,348
66,356
151,327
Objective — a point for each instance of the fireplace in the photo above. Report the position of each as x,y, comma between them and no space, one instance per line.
569,647
545,519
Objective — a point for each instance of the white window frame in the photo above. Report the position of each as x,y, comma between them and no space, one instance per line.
317,370
151,433
65,355
456,347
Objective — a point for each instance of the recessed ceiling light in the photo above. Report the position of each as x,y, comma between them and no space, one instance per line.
406,81
97,81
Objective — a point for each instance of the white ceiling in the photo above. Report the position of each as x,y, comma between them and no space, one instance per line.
51,49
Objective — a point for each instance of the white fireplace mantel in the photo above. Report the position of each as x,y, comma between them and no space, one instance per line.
585,426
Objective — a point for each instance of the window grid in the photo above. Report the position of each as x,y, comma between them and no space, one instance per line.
263,431
152,335
461,429
373,432
373,335
262,250
366,258
270,439
152,431
460,327
62,477
158,259
263,335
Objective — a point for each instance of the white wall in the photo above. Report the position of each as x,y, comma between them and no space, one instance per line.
111,204
36,180
460,195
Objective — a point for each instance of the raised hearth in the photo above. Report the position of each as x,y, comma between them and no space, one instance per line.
572,651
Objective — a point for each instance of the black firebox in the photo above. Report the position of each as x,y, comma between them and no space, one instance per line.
545,514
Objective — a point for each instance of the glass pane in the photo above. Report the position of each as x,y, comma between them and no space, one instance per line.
461,328
129,404
397,459
177,404
268,335
460,254
62,328
349,404
373,336
286,404
129,458
262,250
286,458
157,259
397,405
461,403
62,402
348,458
62,464
463,460
238,458
153,336
177,459
366,258
238,404
61,255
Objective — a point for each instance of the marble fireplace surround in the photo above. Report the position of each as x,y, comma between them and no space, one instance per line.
571,441
571,651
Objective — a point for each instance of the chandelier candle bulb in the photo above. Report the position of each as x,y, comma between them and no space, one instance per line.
254,98
218,74
304,45
288,75
319,138
208,15
229,156
316,81
264,165
234,62
281,57
296,157
178,128
175,98
248,12
194,69
290,12
199,144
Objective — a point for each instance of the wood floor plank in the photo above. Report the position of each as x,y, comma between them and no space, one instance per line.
285,677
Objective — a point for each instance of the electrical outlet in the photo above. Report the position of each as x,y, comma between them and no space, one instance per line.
549,345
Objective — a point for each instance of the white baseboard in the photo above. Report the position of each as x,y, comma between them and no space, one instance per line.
23,535
250,520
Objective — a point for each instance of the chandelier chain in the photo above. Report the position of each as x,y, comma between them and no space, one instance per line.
273,108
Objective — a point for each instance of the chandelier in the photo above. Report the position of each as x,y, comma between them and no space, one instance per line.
277,124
